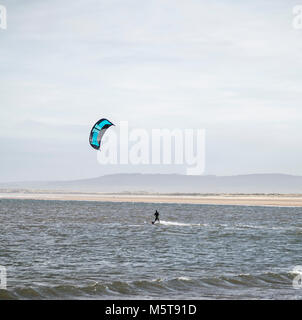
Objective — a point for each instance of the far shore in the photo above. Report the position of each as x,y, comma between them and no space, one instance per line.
286,200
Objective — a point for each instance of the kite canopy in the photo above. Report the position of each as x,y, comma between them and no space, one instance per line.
98,131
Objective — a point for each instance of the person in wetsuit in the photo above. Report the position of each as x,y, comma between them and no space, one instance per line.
156,214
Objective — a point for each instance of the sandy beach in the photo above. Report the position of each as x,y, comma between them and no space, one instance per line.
294,200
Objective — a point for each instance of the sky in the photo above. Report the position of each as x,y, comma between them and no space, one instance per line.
230,67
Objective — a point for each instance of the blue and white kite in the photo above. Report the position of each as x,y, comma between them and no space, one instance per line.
98,131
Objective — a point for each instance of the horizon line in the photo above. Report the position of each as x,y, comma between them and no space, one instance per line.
151,174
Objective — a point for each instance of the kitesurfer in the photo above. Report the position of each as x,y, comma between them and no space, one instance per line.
156,214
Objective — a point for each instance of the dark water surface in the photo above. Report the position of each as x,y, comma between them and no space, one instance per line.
92,250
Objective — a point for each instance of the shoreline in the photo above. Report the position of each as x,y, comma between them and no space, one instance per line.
281,200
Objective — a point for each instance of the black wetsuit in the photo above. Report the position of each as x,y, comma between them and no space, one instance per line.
156,214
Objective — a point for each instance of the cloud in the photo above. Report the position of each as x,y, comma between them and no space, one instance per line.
174,63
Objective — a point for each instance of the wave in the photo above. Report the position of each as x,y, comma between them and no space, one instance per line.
250,226
241,226
228,226
179,287
181,224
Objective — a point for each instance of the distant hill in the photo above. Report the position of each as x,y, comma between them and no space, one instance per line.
172,183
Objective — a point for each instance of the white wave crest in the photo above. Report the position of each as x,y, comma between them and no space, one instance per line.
182,224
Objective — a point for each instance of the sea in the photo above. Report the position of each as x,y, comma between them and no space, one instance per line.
111,250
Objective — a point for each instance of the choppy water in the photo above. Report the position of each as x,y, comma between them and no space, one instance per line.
91,250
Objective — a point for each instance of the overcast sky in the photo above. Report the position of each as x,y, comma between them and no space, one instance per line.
231,67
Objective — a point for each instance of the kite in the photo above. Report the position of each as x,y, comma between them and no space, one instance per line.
98,131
